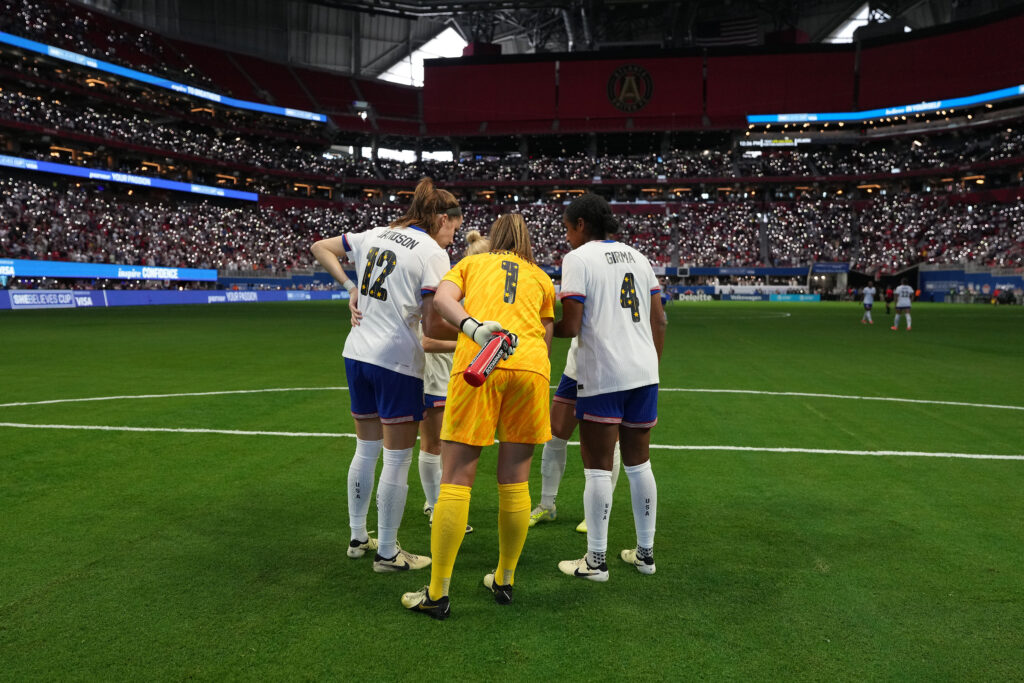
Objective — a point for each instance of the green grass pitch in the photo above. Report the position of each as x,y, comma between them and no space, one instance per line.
140,555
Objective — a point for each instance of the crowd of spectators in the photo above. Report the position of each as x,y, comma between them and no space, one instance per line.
72,223
146,131
79,30
251,152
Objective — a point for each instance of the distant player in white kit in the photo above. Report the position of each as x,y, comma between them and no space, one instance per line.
904,295
611,300
869,299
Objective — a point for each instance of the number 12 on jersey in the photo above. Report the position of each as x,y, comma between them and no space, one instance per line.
389,260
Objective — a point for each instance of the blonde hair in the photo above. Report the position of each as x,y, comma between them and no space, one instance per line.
509,233
476,243
427,203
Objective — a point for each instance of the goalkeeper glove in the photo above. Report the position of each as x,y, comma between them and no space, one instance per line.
481,333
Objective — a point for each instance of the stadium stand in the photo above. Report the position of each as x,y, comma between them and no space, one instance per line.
882,198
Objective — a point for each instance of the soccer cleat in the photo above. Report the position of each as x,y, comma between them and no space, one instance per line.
908,329
894,328
581,569
357,549
543,514
644,565
863,322
871,322
502,594
420,601
402,561
582,527
428,509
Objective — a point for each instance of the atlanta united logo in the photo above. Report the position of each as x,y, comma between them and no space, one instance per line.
630,87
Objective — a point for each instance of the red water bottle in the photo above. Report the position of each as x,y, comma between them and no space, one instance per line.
487,359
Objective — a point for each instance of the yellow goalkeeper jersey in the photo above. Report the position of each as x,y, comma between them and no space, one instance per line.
503,287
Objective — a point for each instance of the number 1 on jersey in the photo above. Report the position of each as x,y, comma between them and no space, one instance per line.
511,269
627,297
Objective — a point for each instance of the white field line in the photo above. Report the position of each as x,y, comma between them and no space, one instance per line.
841,396
194,393
173,430
752,449
666,389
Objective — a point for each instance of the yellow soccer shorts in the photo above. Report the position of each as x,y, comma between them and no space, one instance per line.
512,405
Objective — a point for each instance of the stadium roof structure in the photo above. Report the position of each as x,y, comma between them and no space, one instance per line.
365,38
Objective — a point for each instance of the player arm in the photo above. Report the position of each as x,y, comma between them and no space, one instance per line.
431,345
330,253
549,329
572,318
659,321
435,326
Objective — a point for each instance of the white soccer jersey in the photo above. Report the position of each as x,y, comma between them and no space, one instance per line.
869,296
616,346
437,370
570,358
904,295
394,267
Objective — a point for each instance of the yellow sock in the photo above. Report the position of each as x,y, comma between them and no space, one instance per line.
451,513
513,521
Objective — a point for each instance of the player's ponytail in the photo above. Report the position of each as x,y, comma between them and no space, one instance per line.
509,233
427,203
598,219
476,243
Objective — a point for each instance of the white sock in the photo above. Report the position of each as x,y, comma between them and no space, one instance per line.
644,493
597,507
360,485
868,315
616,465
908,320
430,476
552,467
896,322
391,494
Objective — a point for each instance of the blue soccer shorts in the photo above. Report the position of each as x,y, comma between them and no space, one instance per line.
566,391
433,401
637,408
375,392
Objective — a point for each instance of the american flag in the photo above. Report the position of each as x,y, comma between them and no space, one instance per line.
738,31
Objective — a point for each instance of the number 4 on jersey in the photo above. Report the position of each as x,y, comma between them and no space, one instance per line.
627,297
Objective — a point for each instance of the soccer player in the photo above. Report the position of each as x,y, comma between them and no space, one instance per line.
888,300
399,267
437,371
904,295
611,301
869,299
553,456
502,285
